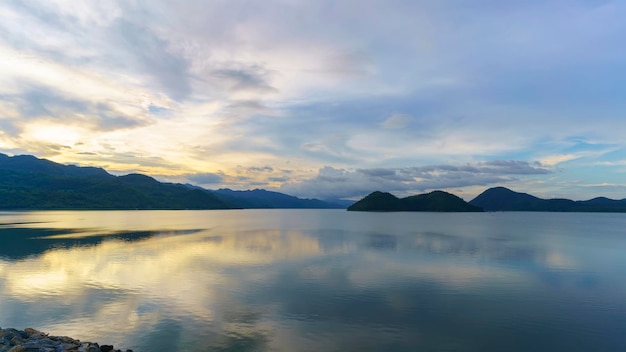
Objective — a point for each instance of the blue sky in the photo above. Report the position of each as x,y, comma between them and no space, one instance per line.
328,99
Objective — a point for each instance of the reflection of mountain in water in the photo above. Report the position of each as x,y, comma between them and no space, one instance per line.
19,243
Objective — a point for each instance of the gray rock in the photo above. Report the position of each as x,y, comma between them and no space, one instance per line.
16,340
32,340
18,349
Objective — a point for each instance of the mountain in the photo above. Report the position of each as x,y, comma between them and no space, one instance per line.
436,201
504,199
29,163
27,182
260,198
377,201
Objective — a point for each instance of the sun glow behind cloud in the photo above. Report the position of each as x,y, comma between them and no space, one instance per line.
195,88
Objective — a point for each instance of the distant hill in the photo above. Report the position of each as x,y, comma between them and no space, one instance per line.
436,201
341,203
504,199
260,198
27,182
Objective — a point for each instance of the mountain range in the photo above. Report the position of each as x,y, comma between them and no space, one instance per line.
493,199
27,182
504,199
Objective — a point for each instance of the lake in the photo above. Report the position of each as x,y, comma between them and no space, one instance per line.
317,280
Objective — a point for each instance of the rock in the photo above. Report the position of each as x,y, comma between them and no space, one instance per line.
16,340
32,340
8,336
70,346
32,333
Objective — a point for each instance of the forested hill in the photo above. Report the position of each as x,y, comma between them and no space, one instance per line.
504,199
436,201
27,182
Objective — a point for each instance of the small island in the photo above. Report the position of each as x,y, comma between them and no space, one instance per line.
436,201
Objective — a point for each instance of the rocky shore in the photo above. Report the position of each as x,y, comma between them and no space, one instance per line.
31,340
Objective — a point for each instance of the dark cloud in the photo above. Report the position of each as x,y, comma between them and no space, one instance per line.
245,78
206,178
246,108
256,169
278,179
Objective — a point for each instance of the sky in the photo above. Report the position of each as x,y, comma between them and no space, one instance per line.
323,99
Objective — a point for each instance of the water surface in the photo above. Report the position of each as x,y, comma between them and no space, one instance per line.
318,280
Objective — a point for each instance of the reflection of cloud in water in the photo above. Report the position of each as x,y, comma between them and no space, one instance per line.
381,242
271,289
487,248
106,265
192,275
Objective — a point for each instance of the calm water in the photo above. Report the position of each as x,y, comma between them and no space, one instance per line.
318,280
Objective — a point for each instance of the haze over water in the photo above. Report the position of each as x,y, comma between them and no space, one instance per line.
317,280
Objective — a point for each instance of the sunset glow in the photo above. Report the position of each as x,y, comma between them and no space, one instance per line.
306,97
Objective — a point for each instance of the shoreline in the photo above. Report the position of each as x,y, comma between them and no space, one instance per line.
32,340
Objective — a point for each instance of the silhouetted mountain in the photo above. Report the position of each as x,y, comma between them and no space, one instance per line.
29,163
260,198
27,182
377,201
436,201
501,198
504,199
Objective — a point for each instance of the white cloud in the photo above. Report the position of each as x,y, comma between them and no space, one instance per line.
209,86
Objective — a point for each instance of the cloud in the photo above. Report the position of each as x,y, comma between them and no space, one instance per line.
278,179
396,121
246,79
299,85
341,183
256,169
206,178
37,102
153,55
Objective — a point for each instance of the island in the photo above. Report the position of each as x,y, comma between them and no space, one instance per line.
504,199
435,201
